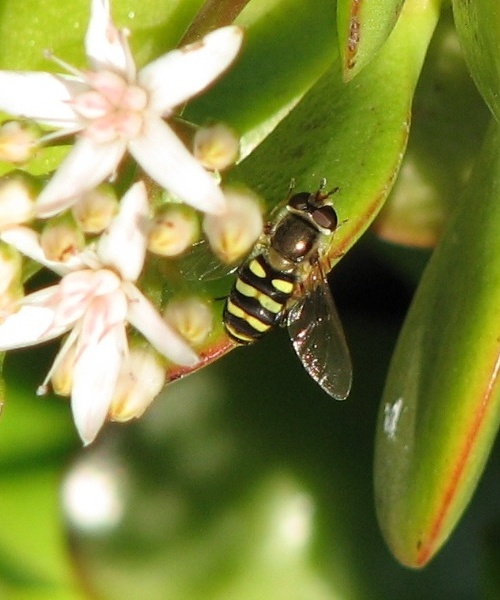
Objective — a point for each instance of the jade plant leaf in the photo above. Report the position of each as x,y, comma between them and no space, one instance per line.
449,120
353,134
478,27
441,405
363,27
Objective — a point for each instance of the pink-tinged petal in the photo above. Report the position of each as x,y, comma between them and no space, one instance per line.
33,323
181,74
165,158
123,244
95,375
42,97
27,242
85,167
105,45
146,319
103,315
82,290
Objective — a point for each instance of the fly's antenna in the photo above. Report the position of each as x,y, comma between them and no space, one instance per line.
320,196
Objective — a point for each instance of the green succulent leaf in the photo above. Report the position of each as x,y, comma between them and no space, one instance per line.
449,121
353,134
363,27
478,27
441,405
269,79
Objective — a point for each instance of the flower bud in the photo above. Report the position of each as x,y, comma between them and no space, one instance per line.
10,267
61,376
18,141
141,379
191,317
61,239
11,289
173,230
17,197
94,211
216,147
233,234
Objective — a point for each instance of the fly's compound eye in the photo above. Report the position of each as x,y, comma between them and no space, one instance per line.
325,218
300,201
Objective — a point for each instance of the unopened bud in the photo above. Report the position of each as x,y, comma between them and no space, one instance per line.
10,301
11,288
141,379
173,230
233,234
61,376
10,267
61,239
191,317
94,211
18,191
216,147
18,141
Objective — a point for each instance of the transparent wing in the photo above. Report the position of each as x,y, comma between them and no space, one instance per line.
201,264
318,339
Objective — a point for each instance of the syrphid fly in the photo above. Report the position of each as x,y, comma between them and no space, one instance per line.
283,282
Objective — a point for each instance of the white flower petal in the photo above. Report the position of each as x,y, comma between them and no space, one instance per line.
165,158
105,45
32,324
181,74
42,97
123,245
85,167
145,318
27,241
94,381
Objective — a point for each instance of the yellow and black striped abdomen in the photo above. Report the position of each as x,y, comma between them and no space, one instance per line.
257,300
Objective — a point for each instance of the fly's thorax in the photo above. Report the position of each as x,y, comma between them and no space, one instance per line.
294,239
279,262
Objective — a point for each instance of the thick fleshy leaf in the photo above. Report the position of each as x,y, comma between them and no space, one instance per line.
353,134
449,121
267,73
441,404
478,28
362,29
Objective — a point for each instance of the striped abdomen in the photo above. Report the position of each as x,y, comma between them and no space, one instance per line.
257,300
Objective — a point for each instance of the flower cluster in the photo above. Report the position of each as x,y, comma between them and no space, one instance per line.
76,227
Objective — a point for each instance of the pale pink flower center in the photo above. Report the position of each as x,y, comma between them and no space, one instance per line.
112,108
78,290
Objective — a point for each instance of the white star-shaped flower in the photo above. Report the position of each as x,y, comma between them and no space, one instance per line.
114,108
94,300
